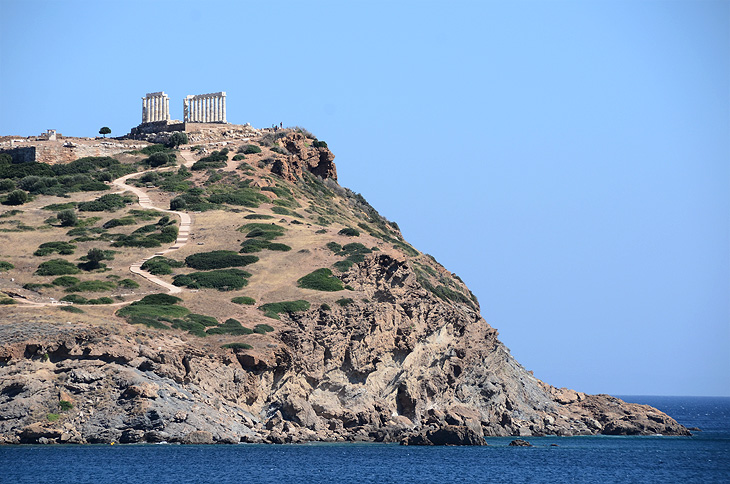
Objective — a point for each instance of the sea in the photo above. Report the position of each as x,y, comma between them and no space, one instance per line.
702,458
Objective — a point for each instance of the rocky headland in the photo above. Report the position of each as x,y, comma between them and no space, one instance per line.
401,355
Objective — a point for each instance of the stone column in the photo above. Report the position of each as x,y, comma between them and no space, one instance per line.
167,108
216,111
144,102
223,102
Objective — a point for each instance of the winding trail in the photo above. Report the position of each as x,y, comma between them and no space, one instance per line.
183,235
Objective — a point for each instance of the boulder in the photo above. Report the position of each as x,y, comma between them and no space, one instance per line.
445,435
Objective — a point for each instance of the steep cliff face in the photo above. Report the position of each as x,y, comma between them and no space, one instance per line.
398,351
399,366
305,154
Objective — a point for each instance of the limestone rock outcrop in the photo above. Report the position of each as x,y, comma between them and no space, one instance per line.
406,366
304,154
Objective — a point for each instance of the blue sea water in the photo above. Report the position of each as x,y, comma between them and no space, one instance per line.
704,457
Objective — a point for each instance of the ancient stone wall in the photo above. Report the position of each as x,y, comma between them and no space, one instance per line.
65,151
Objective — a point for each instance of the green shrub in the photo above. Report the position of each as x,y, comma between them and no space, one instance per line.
116,222
63,248
128,284
217,159
278,191
176,139
178,203
75,299
239,157
262,328
343,265
319,144
325,307
152,149
223,279
350,232
67,218
272,310
191,327
106,203
72,309
237,346
159,298
249,301
65,405
349,287
249,149
334,247
57,207
344,301
7,301
257,245
245,197
262,230
56,267
321,231
255,216
202,319
278,247
152,311
5,265
218,259
230,326
6,185
320,280
161,265
53,417
101,300
16,197
66,281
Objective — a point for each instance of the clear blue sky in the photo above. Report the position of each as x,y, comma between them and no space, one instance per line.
569,160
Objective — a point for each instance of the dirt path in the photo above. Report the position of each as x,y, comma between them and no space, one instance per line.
183,235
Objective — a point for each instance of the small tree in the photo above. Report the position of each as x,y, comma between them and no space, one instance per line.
178,203
176,139
158,159
95,256
68,218
17,197
105,131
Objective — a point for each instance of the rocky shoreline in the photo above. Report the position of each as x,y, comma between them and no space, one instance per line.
406,367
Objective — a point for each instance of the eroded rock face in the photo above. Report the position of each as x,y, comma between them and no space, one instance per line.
304,156
406,366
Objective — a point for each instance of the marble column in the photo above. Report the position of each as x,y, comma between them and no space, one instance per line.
223,102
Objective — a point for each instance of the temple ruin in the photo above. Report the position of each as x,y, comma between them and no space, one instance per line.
197,109
205,108
155,107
